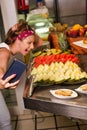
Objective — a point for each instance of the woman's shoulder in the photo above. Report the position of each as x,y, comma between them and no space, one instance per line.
4,48
4,45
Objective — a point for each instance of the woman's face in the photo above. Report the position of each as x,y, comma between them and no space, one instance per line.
26,45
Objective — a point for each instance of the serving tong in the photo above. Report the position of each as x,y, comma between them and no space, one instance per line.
30,78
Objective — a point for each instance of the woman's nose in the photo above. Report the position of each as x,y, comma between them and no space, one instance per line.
32,46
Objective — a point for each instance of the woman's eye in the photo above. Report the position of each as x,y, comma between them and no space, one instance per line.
29,43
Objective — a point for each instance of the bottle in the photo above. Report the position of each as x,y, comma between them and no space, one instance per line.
39,3
23,6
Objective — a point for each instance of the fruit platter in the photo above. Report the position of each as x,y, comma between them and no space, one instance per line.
57,68
60,64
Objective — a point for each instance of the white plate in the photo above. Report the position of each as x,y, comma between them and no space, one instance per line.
80,43
73,95
80,89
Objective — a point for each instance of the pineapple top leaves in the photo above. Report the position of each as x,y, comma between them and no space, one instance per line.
63,42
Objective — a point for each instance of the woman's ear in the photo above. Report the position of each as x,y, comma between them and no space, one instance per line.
38,41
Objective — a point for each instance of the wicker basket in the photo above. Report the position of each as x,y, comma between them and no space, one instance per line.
75,48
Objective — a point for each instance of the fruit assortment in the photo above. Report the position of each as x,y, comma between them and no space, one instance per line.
50,52
64,39
58,27
59,68
57,65
48,59
74,31
77,30
58,72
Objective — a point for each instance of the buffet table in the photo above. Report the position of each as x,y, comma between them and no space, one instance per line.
42,100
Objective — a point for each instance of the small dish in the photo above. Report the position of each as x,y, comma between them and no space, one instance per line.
59,93
82,89
80,43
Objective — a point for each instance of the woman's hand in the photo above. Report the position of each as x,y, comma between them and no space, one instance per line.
5,83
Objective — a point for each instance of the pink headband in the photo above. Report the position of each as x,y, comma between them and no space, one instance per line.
25,34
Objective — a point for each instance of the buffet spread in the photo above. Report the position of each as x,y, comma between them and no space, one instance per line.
60,63
58,78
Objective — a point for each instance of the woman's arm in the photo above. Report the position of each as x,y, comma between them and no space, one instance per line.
4,58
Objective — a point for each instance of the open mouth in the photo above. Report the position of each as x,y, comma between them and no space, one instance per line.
26,50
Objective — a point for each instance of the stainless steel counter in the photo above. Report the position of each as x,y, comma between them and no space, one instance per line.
42,100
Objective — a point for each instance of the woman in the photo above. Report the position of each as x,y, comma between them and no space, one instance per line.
20,39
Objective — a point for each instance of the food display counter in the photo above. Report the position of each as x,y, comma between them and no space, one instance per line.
42,100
